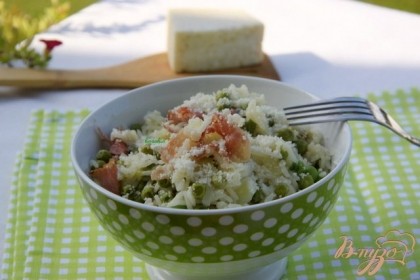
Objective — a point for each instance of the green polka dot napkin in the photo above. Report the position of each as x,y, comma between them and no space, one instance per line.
373,231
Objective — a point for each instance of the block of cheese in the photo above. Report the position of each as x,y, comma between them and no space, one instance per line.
205,40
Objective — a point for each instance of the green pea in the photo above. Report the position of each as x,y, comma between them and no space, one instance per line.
103,155
165,183
251,127
222,94
222,106
284,153
301,146
305,181
298,167
147,192
135,126
199,190
313,172
281,190
147,150
258,197
286,133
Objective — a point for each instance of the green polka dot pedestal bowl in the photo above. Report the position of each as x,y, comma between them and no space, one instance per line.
237,243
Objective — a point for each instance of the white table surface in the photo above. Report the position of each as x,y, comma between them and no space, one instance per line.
326,47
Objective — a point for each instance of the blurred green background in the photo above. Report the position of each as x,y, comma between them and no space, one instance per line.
404,5
35,7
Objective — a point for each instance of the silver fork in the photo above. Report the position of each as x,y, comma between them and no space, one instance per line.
345,109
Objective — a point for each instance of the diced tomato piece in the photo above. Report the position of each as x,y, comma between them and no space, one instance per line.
174,144
182,115
118,147
106,176
236,142
235,146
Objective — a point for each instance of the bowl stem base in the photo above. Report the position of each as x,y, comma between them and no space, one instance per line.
274,271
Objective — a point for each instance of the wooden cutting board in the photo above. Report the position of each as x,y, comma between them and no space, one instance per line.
132,74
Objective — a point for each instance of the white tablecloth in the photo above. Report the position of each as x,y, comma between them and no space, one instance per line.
326,47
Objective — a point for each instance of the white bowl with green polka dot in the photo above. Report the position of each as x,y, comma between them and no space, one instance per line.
246,242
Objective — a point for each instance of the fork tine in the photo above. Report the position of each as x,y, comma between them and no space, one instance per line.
338,109
328,102
354,108
344,109
331,118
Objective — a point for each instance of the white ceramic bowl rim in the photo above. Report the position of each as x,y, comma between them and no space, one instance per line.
203,212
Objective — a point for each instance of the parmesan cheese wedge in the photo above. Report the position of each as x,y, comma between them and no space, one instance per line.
205,40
